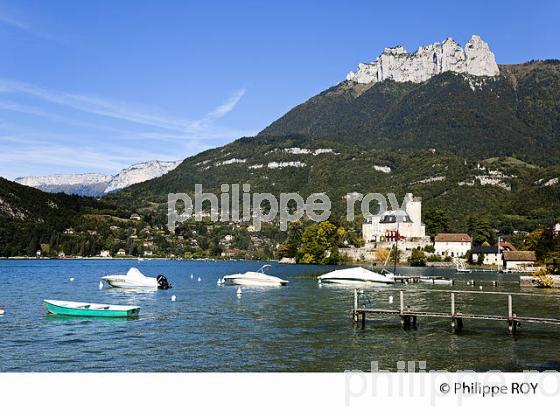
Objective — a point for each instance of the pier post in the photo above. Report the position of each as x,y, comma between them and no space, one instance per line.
355,311
401,294
452,304
457,324
512,322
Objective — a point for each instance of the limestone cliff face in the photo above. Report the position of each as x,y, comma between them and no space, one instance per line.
397,64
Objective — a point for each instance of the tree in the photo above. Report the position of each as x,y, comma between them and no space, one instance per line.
480,230
290,246
381,254
417,258
436,221
319,244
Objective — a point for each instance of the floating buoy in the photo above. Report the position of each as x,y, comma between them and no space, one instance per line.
198,280
173,298
100,285
2,311
192,276
71,279
390,299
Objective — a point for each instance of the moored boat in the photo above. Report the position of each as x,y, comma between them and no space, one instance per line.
258,278
357,275
67,308
134,279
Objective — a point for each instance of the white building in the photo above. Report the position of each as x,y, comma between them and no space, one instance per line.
105,254
455,245
487,255
520,260
383,228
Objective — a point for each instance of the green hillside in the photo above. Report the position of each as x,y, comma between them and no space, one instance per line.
515,114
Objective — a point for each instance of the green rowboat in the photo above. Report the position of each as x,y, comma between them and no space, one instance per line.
61,307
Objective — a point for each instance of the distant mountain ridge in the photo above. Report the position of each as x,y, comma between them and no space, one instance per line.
93,184
396,64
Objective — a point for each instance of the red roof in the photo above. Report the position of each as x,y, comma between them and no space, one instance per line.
507,246
452,237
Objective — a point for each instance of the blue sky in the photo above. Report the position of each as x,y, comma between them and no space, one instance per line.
95,86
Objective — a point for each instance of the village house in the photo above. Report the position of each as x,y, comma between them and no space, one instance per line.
455,245
148,252
135,217
519,260
487,255
105,254
69,231
491,255
121,252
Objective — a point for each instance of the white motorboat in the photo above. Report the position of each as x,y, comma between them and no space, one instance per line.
134,279
357,275
258,278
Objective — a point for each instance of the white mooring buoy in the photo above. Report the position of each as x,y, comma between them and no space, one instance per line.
100,285
198,280
71,279
173,298
192,276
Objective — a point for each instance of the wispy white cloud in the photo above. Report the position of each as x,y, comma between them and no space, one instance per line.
21,25
61,149
226,107
11,21
122,111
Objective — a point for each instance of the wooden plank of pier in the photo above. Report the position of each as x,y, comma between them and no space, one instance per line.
409,316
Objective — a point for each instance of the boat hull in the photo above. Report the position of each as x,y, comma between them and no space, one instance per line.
356,276
94,310
342,281
127,284
252,282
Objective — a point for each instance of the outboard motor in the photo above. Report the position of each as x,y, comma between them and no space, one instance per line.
162,282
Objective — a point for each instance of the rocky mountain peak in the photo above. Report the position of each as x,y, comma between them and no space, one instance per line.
397,64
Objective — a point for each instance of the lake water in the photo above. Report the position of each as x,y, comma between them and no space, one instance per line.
300,327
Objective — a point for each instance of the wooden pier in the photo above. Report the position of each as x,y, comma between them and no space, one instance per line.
409,317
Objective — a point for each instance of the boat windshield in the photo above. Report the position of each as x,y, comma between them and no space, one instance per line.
263,268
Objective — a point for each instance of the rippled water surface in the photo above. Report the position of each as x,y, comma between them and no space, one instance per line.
301,327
